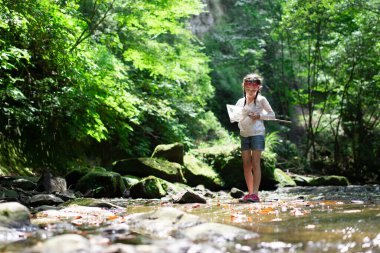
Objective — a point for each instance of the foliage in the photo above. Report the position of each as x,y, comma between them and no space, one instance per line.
335,55
320,60
96,81
238,43
83,78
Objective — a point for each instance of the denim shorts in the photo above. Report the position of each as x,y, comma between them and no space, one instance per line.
256,142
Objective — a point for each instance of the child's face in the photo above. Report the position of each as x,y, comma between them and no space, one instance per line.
252,89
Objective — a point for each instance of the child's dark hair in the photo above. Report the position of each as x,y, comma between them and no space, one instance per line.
252,78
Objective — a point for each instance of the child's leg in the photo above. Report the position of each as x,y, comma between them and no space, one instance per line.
247,165
256,156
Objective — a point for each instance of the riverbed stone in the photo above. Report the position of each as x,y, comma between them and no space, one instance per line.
188,196
146,166
64,244
301,180
8,235
100,183
73,176
217,233
172,152
150,187
227,162
332,180
163,246
162,222
8,194
236,193
51,184
45,199
168,222
283,179
25,184
130,180
92,202
13,214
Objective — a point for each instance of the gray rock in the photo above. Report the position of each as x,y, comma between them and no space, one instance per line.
24,184
52,184
162,222
9,195
217,233
163,246
68,243
13,214
236,193
45,199
10,235
171,152
188,197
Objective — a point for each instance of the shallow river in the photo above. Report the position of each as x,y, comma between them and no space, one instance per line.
300,219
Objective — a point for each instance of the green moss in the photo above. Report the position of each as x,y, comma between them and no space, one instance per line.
149,187
283,179
197,172
145,166
330,180
80,202
102,183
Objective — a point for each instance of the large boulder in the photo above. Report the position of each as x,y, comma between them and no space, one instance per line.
149,188
100,183
227,162
329,180
301,180
72,177
130,180
144,167
171,152
283,179
198,172
153,188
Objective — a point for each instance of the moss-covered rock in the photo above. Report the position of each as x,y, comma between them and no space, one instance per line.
283,179
150,187
226,160
171,152
130,180
144,167
74,175
198,172
301,180
330,180
101,183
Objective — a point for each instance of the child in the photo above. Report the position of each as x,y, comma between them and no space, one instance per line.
256,108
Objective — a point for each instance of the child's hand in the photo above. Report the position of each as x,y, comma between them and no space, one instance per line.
254,116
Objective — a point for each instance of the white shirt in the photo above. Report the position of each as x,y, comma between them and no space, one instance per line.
249,127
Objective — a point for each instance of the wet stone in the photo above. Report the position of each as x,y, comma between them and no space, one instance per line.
45,199
10,235
13,214
188,197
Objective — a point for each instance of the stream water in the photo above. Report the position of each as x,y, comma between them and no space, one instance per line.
301,219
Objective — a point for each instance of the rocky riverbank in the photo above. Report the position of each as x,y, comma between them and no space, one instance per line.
160,225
